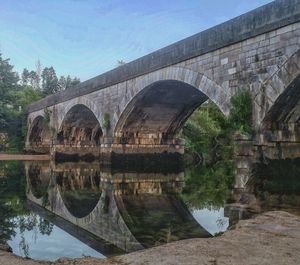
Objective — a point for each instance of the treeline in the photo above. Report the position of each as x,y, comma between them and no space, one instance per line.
46,80
19,90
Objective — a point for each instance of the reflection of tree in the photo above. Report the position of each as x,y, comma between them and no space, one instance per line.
13,211
7,223
221,223
24,247
276,183
45,227
208,186
27,223
12,198
208,133
278,177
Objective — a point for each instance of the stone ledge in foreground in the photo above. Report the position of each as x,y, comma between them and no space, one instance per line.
270,238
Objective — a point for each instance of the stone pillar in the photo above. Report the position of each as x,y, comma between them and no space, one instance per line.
244,159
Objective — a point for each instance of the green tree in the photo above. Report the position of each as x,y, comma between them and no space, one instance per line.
67,82
8,81
207,132
241,112
25,77
49,81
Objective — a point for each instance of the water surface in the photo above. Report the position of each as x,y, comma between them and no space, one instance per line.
50,210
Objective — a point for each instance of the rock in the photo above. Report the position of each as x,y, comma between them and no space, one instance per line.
5,247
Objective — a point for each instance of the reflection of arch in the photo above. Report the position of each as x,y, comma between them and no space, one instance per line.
80,193
183,76
111,218
154,220
39,132
281,92
80,126
38,179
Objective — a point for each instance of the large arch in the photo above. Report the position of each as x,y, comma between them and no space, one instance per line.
39,132
161,104
286,109
80,127
278,100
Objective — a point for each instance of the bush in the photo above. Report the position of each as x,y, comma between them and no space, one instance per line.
241,112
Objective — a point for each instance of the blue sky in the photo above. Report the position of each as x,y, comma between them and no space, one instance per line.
85,38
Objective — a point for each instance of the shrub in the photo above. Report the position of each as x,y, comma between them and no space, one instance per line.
241,112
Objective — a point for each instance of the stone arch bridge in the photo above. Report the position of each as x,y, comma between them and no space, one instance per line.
141,106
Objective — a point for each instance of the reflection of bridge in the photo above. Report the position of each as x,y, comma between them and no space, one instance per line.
273,186
141,106
129,210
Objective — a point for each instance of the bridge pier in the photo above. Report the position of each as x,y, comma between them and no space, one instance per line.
103,152
268,145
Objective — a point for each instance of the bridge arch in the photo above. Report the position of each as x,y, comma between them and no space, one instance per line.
79,101
281,101
161,102
39,132
80,125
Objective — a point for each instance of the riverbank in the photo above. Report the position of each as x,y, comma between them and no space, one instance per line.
270,238
6,157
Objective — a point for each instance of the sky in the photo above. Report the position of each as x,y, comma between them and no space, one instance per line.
85,38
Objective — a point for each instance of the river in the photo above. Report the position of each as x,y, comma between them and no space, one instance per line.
51,210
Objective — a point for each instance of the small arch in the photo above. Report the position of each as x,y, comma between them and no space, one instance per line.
80,127
39,134
80,101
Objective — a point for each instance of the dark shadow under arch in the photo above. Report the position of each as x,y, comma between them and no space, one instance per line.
286,109
80,127
40,132
158,111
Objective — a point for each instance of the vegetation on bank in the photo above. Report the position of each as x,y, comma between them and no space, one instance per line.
209,134
17,91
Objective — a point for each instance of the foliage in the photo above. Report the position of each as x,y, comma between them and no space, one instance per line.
16,94
106,121
12,194
13,210
207,132
49,81
278,177
209,185
67,82
241,112
120,62
47,115
8,81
